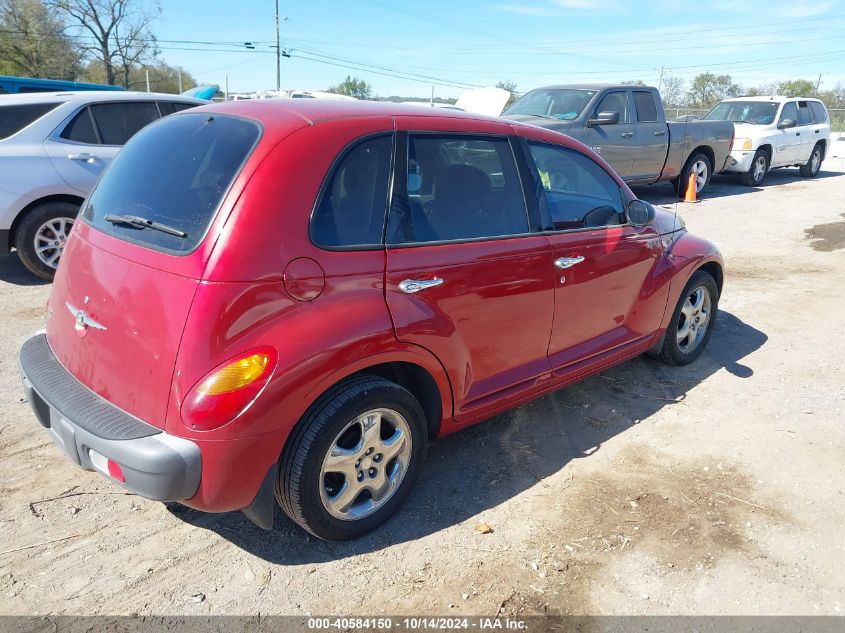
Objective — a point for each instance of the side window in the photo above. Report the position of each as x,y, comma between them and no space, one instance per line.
14,118
354,198
460,188
81,129
614,102
805,115
171,107
819,112
646,108
576,191
118,122
790,111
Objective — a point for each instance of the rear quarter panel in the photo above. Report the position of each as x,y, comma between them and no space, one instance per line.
686,136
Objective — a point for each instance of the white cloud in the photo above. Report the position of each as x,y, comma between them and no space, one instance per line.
585,5
534,10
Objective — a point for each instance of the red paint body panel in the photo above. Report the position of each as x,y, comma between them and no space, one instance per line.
502,329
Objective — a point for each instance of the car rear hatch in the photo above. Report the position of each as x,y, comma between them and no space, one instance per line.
128,275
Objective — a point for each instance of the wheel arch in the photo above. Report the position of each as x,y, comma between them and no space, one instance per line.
766,147
714,269
709,153
59,197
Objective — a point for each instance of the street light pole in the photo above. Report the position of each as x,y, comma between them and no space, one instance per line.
278,53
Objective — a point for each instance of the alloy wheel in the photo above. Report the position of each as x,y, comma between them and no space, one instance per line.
701,171
759,168
694,319
365,464
50,240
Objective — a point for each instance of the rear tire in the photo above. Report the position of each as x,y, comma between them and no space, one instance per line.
814,164
697,307
756,174
41,236
368,427
704,171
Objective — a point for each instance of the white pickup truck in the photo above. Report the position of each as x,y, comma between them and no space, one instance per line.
774,132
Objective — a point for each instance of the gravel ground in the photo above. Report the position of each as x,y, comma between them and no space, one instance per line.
711,489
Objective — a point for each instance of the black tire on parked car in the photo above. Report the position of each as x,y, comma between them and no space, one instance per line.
41,235
704,171
756,174
814,164
692,322
353,458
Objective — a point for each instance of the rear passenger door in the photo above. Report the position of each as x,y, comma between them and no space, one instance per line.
788,140
466,278
651,135
84,146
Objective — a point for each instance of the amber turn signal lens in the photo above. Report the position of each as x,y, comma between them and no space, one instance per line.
234,376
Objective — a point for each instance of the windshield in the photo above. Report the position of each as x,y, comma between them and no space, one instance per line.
173,173
754,112
564,104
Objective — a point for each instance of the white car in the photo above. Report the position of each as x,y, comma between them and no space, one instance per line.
774,132
53,148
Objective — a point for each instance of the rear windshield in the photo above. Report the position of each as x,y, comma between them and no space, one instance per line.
173,173
14,118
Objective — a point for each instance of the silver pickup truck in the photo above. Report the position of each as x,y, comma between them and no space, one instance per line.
627,126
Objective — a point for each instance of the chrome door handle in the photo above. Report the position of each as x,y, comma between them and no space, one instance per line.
85,157
627,134
660,133
568,262
410,286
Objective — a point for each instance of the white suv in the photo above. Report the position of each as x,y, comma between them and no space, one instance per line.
53,148
772,132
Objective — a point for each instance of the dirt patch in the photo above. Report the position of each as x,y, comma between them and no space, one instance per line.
681,518
827,237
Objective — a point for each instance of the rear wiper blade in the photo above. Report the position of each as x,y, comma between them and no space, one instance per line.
143,223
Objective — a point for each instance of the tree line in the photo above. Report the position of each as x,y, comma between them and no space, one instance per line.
100,41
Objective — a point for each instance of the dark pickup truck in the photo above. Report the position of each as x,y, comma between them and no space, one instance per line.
627,126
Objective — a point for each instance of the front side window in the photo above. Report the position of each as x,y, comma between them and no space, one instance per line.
753,112
118,122
354,200
564,104
576,192
790,111
819,113
646,108
460,188
14,118
175,174
614,102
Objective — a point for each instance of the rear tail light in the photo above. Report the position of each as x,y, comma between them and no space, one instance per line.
228,391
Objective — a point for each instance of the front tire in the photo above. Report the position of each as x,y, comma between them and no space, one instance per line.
353,458
814,164
756,174
700,164
41,236
692,322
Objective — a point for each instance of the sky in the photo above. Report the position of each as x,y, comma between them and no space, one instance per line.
404,47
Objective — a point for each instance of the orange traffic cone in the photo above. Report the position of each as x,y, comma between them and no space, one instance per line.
691,187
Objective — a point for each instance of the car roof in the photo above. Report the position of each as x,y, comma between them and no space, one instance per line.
593,86
85,96
773,98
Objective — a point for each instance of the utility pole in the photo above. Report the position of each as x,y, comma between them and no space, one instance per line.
660,82
148,79
278,53
180,79
819,83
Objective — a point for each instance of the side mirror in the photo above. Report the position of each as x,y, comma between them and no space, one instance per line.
604,118
786,123
641,213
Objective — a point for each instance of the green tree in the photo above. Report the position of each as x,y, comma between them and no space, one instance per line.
117,33
33,43
708,89
510,86
797,88
163,78
353,87
672,91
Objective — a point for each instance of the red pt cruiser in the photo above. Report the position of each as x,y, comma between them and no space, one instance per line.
289,299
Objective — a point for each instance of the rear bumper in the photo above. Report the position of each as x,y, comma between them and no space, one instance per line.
87,428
